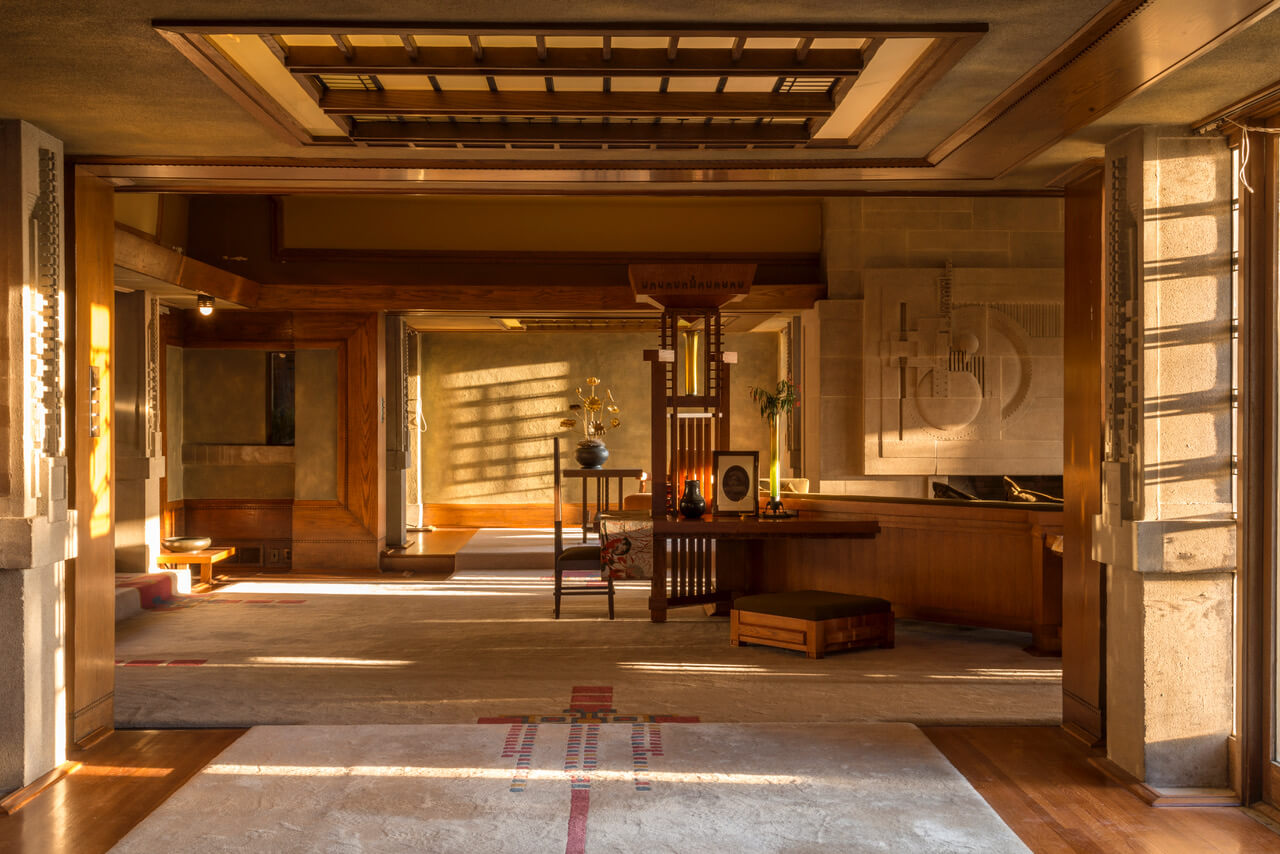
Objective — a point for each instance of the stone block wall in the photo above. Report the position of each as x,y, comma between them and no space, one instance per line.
876,233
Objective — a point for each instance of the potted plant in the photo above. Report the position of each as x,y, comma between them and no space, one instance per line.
774,403
591,452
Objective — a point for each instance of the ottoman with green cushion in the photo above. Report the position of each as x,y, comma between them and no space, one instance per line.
812,621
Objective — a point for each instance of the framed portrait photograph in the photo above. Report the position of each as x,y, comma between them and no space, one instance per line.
737,475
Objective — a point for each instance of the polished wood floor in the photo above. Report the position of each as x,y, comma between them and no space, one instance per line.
123,778
1038,779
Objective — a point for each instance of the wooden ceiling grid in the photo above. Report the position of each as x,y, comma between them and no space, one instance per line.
629,87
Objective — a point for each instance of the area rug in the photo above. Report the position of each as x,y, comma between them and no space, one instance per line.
454,652
578,788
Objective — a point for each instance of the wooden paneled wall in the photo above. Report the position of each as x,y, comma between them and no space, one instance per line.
978,566
346,534
1083,579
91,575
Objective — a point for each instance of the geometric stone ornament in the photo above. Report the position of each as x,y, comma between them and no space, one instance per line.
34,526
962,371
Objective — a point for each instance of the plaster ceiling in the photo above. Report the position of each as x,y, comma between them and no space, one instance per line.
101,78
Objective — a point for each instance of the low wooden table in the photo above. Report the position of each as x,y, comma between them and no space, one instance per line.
695,573
608,497
205,559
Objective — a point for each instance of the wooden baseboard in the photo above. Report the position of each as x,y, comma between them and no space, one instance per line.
20,798
1082,719
1267,814
1162,796
1082,735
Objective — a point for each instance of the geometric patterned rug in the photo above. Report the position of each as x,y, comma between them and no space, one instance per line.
644,786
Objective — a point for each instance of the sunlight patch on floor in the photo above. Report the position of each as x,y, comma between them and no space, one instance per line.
709,669
340,588
596,774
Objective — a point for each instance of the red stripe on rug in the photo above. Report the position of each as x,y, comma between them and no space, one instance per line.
579,803
187,662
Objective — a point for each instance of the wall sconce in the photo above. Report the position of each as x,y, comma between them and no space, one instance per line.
204,304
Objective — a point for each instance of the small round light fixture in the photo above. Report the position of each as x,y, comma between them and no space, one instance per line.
204,303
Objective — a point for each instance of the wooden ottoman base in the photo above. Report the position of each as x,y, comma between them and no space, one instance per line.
815,638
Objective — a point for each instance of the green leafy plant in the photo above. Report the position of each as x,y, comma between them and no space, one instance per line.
778,401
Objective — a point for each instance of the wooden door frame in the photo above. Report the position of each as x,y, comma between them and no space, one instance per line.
1259,220
351,527
1084,671
90,586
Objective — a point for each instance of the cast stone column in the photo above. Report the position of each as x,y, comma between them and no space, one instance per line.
1167,531
35,531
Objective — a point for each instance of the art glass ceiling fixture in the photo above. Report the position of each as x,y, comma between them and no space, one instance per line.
584,87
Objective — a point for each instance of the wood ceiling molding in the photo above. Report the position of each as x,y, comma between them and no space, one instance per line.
640,88
1126,48
1259,106
1123,50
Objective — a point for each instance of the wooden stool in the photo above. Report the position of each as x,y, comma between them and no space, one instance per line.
811,621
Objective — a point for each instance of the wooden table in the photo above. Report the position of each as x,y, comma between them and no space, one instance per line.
205,559
713,558
605,496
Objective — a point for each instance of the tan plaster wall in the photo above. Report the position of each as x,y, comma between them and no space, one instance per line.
493,401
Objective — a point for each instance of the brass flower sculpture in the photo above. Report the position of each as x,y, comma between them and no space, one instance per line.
592,410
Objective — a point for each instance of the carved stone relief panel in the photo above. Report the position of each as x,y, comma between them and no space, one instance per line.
962,371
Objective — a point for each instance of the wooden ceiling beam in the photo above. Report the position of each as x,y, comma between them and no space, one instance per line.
691,133
467,296
149,258
862,30
575,61
522,104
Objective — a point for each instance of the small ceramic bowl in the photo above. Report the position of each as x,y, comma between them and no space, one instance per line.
186,544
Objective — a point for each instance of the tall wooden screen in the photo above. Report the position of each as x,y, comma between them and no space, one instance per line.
687,426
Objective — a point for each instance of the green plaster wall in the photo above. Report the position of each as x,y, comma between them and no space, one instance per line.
316,424
224,400
224,403
173,422
493,401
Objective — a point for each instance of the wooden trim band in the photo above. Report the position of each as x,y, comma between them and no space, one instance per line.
19,798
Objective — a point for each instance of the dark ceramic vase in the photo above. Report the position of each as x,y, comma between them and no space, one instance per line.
591,453
692,504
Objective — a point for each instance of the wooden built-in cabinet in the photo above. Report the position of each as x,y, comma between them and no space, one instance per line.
953,562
